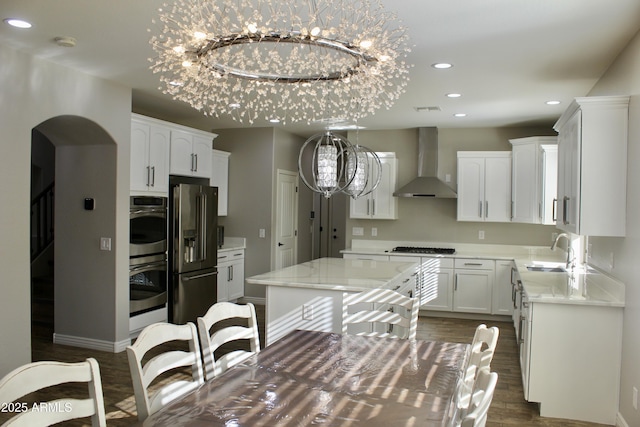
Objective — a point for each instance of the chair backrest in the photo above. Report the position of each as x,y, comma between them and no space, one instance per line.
483,346
223,334
476,415
142,375
380,306
481,353
38,375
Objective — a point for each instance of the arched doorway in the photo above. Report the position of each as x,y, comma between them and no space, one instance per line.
78,157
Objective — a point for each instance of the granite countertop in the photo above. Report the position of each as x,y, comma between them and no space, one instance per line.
586,286
336,274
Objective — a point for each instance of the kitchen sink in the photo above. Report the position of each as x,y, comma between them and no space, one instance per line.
546,269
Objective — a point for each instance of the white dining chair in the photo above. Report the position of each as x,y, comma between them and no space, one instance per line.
215,331
397,313
150,399
481,397
483,346
480,355
39,375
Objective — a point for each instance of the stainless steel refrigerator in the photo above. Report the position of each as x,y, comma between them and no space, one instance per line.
194,218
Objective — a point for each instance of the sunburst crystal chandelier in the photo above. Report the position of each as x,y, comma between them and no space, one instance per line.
298,60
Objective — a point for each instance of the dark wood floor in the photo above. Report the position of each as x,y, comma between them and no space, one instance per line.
508,407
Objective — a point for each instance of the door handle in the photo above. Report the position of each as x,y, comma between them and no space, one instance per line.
199,276
280,244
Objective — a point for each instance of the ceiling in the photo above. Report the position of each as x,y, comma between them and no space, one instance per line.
509,56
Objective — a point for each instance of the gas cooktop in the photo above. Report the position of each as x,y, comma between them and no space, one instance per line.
423,250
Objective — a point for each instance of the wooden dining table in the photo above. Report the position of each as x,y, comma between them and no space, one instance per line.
310,378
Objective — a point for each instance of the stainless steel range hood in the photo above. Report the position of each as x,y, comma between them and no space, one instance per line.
427,183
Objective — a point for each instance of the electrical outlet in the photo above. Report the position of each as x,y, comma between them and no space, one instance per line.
262,233
374,231
481,234
635,398
307,312
447,177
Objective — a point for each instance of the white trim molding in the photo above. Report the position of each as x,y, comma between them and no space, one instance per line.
110,346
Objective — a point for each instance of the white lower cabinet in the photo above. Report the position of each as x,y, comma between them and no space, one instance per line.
434,282
570,357
473,285
230,275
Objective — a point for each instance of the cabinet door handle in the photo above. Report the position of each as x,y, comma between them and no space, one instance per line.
476,264
230,273
565,208
455,282
539,210
480,208
368,209
373,203
148,175
196,157
512,204
553,209
153,176
486,209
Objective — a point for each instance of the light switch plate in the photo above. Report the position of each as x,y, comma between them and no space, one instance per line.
105,243
357,231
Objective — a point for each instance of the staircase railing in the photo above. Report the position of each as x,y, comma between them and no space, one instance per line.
42,221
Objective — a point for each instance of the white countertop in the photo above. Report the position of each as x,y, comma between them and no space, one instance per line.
335,274
583,287
233,244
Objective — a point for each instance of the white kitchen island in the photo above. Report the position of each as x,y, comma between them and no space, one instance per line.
309,295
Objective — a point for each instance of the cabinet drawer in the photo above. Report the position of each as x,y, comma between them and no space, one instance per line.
474,264
228,256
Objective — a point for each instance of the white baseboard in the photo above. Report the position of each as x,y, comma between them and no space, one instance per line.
620,421
254,300
109,346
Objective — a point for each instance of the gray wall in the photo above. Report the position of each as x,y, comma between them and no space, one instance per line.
623,78
256,154
33,91
434,220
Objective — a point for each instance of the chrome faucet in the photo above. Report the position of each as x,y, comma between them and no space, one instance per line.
570,264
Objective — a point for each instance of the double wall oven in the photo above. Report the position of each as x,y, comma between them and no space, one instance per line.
147,254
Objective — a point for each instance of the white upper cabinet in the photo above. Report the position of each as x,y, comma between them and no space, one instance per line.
149,173
592,166
533,179
191,153
379,204
484,186
220,179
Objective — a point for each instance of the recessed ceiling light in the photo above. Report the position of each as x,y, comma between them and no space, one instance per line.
18,23
234,105
552,102
454,95
441,65
176,83
274,120
460,115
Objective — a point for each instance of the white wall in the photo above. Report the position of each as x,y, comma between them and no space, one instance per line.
33,91
623,78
